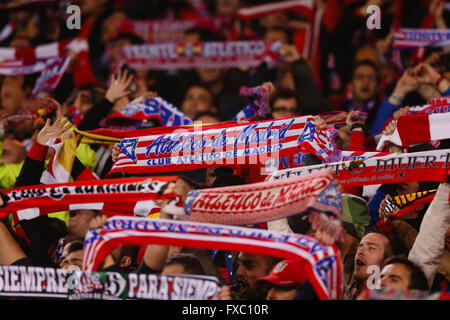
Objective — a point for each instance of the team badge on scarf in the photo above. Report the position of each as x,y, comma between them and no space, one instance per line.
398,206
222,144
173,56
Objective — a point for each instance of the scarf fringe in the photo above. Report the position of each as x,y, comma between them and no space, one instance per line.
325,223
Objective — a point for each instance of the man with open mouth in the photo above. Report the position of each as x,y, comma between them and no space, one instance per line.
373,249
250,268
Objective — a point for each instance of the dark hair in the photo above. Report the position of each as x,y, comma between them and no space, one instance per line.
191,264
417,279
75,245
228,180
198,84
283,94
271,262
131,251
366,62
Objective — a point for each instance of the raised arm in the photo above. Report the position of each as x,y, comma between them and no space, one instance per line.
428,248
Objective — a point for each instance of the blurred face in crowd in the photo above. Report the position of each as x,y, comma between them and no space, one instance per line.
281,293
364,84
115,49
396,276
284,108
20,43
91,7
197,100
370,251
276,19
407,187
284,77
73,261
274,35
208,119
12,95
210,76
251,267
112,24
13,151
79,222
226,7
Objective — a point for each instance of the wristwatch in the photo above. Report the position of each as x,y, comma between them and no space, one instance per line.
357,125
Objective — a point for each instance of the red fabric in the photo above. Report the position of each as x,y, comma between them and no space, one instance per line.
86,175
357,191
332,14
385,227
224,273
420,124
83,74
38,152
357,141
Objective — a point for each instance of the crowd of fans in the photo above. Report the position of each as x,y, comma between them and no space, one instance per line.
354,70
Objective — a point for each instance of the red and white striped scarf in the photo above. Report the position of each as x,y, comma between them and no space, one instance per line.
431,165
434,107
51,75
22,66
225,54
111,196
440,101
413,129
416,38
323,264
267,201
196,147
51,50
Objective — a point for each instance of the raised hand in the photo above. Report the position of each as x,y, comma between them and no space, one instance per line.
289,52
355,116
406,84
115,152
381,212
401,112
57,130
118,87
319,123
98,222
426,74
